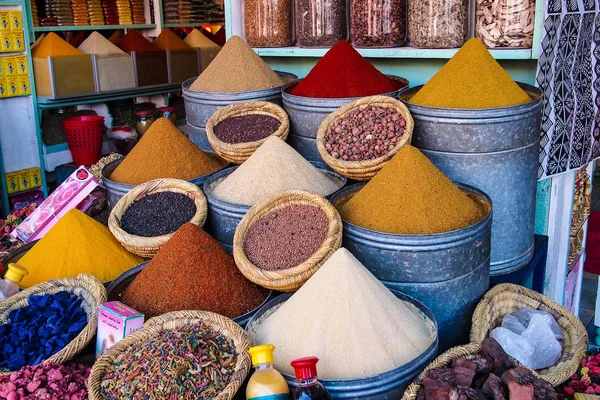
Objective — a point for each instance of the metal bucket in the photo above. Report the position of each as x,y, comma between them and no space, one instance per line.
224,217
121,283
449,272
200,106
116,190
495,150
386,386
306,115
198,136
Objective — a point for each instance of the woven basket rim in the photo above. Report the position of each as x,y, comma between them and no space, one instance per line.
291,278
155,325
153,244
365,169
569,323
239,152
89,284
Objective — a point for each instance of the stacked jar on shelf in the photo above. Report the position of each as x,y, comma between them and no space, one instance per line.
429,24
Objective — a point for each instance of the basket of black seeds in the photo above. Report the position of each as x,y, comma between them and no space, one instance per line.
237,130
148,215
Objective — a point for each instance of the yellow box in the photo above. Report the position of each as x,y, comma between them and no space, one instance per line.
12,182
22,65
35,178
18,42
6,41
3,88
2,67
4,21
12,85
10,66
16,21
24,86
24,182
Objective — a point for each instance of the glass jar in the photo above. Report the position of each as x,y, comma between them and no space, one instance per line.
505,23
121,139
143,121
168,112
439,24
378,23
268,23
320,23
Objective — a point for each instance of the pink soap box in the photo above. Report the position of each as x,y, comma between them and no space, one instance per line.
67,196
115,321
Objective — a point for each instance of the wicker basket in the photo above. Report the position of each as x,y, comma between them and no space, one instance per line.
237,153
470,351
366,169
147,247
291,279
171,320
88,288
507,298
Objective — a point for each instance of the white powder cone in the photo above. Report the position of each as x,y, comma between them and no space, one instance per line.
350,320
275,166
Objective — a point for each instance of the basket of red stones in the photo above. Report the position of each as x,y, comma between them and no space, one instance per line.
285,238
358,139
237,130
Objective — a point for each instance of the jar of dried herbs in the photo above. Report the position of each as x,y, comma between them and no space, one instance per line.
377,23
269,23
320,23
439,24
505,23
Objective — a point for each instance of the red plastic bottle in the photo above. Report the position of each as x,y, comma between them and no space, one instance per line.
308,385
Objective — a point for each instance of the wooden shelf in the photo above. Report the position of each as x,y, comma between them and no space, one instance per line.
192,24
90,28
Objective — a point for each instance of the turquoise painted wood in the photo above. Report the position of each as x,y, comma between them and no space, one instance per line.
542,207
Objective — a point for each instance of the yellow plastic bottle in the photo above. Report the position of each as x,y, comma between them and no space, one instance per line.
266,383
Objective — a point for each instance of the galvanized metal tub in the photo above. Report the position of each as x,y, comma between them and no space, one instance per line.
116,190
306,115
198,136
200,106
224,217
449,272
118,286
386,386
495,150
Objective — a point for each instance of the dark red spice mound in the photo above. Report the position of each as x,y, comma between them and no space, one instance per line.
135,41
193,272
342,73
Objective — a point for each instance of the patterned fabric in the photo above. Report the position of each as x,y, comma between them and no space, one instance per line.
569,77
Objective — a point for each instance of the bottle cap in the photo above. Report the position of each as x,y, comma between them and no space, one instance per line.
262,354
144,113
15,273
305,368
169,109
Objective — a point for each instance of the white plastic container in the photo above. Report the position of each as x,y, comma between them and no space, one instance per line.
9,286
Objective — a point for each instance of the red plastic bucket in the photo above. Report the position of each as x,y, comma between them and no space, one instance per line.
84,137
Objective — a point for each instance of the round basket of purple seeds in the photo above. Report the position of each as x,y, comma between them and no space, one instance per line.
284,239
148,215
237,130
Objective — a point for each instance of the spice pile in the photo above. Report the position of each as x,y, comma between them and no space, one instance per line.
472,78
274,167
53,45
364,133
76,244
135,41
158,214
35,332
164,152
191,361
246,128
490,377
237,68
343,300
167,40
192,272
410,196
47,380
209,49
286,237
343,73
99,45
